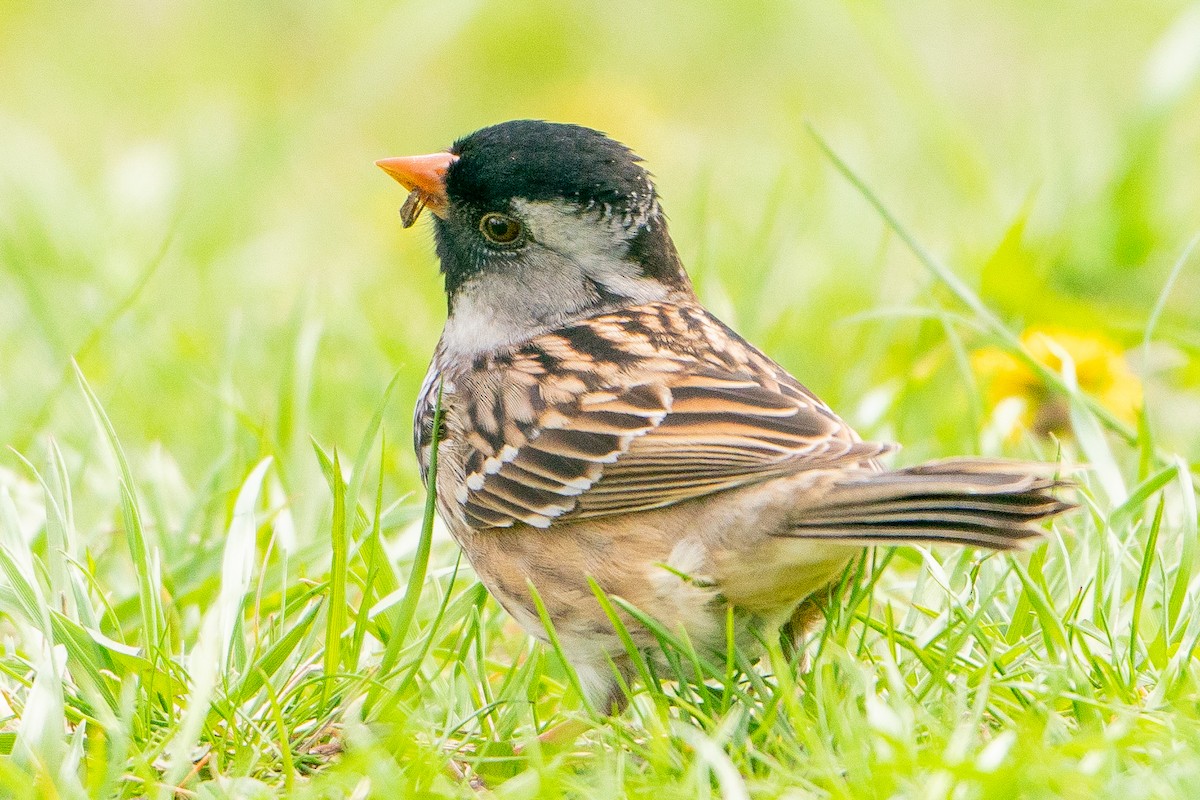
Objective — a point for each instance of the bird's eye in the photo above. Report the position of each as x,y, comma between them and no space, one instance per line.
500,228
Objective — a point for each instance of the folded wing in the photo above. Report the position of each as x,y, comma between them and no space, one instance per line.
634,410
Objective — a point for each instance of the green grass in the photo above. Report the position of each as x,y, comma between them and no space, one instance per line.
217,572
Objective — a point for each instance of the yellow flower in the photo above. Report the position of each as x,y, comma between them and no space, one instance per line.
1101,370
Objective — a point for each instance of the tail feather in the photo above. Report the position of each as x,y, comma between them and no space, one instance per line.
988,503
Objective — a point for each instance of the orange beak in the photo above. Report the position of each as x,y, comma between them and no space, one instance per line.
425,179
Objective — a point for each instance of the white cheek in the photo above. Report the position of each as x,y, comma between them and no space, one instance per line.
596,243
562,228
551,283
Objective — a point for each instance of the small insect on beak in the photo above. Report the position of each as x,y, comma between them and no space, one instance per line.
425,179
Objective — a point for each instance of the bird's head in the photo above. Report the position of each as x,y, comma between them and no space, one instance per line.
539,224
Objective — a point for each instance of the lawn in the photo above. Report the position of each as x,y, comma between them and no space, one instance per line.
972,230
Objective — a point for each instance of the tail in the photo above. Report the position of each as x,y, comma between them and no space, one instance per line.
969,501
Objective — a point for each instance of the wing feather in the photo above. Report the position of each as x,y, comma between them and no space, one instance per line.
637,409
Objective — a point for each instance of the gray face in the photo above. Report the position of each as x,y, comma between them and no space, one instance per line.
568,263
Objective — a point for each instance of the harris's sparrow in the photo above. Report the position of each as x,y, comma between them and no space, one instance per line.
601,425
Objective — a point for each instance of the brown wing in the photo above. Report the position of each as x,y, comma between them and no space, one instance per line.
633,410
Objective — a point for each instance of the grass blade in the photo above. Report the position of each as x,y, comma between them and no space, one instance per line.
336,616
237,563
153,624
407,610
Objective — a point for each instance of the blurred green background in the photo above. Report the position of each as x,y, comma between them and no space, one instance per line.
188,204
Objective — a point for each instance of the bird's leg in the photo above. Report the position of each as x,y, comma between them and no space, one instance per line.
613,704
807,616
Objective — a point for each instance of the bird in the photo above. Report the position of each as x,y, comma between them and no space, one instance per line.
590,429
